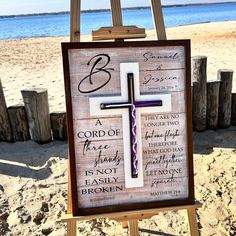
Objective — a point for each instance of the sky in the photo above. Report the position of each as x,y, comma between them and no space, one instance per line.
15,7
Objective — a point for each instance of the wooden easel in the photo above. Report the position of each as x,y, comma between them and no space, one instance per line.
119,33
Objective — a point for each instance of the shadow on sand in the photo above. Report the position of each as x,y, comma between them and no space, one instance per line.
204,142
29,159
153,232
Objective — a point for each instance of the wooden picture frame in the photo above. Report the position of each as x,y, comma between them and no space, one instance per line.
77,67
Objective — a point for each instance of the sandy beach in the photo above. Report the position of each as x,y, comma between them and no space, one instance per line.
33,178
37,62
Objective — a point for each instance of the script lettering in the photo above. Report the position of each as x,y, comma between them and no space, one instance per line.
98,65
104,177
163,152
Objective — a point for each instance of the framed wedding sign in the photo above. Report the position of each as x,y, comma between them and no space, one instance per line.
129,125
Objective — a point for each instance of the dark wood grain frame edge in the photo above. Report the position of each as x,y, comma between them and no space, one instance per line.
124,207
72,193
189,120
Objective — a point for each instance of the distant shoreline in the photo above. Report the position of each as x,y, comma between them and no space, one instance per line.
107,10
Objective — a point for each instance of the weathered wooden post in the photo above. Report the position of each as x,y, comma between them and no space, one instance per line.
225,98
19,123
36,105
199,95
5,127
233,110
213,88
58,123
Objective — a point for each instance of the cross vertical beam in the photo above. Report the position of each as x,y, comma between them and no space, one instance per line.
131,104
132,126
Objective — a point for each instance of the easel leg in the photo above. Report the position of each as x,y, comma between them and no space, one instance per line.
133,228
192,219
71,225
71,228
125,224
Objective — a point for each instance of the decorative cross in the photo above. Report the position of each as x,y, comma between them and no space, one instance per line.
131,104
129,96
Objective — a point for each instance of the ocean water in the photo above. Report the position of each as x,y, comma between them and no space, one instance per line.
58,25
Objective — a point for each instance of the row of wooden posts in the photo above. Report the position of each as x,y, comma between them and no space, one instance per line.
214,106
31,120
213,103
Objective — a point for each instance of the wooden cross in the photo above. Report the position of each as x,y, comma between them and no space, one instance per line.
131,104
130,94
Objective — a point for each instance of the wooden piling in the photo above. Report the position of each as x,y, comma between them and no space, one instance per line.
58,123
199,95
19,123
5,127
213,88
225,98
37,110
233,109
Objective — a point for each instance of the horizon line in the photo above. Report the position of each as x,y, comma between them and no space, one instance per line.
108,9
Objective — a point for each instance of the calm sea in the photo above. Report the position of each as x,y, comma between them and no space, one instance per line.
57,25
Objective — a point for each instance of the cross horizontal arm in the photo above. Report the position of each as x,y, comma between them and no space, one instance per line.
105,106
115,105
149,104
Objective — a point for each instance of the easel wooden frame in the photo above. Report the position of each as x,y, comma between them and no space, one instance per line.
116,18
130,218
